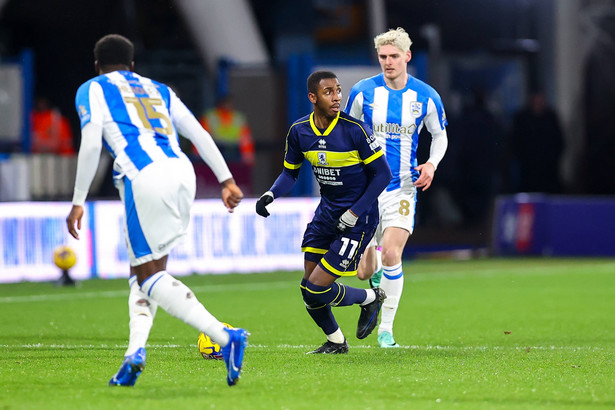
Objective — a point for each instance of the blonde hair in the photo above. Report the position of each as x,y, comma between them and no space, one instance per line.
395,37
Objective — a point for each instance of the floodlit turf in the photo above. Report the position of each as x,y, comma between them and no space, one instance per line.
486,334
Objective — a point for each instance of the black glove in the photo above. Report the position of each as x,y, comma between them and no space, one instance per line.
263,201
346,222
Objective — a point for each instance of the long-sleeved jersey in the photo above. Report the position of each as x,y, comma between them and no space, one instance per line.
397,117
346,161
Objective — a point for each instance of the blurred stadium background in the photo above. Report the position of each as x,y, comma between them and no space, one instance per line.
261,52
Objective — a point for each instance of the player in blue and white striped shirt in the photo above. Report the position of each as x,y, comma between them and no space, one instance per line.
138,120
397,106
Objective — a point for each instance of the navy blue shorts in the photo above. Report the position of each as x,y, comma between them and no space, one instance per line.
337,254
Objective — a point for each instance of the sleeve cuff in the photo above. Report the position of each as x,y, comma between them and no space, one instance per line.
79,197
224,175
434,163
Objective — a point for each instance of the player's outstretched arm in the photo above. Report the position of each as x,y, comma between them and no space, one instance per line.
87,163
231,194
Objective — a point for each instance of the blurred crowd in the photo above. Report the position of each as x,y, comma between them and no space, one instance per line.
487,158
484,159
491,152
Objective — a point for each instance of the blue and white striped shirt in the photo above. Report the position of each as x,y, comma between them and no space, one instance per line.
137,116
397,117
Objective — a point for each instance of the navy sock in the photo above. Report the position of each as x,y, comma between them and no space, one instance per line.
335,295
320,313
347,295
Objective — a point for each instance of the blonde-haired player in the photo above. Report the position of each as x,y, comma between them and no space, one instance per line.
397,106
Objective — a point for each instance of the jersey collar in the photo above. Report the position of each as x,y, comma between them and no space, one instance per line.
401,90
329,128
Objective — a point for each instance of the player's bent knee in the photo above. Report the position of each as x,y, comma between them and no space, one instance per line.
391,257
309,299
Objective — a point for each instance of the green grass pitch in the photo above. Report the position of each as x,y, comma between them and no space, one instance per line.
483,334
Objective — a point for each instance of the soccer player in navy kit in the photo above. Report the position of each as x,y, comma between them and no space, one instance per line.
397,106
138,120
351,170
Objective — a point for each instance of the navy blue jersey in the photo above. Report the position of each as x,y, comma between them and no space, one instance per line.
339,156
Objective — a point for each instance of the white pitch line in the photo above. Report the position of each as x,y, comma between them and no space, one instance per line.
253,286
302,347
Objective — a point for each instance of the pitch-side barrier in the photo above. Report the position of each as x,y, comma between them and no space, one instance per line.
217,242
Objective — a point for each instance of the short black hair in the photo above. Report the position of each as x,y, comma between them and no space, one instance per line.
114,49
314,79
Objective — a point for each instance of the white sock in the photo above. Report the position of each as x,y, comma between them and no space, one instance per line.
141,311
371,296
180,302
336,337
393,284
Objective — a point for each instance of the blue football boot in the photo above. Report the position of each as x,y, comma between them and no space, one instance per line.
368,319
131,368
232,353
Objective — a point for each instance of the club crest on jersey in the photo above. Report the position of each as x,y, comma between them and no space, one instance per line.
416,108
322,158
322,143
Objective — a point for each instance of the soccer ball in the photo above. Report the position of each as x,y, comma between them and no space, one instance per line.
207,348
64,257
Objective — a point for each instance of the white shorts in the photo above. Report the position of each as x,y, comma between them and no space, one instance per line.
157,208
397,209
